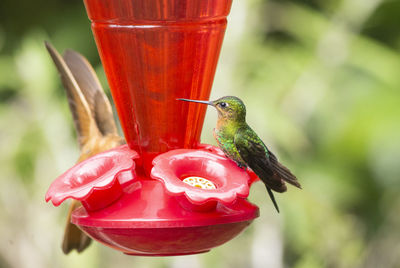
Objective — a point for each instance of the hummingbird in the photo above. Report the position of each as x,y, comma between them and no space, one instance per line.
241,144
93,120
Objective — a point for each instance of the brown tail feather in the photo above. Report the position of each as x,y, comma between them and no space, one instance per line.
275,183
74,238
286,175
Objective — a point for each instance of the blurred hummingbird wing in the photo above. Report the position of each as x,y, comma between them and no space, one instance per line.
256,155
92,90
83,118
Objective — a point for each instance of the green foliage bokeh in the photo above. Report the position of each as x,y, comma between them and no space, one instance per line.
321,81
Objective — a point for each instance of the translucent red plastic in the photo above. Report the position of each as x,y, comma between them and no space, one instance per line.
154,51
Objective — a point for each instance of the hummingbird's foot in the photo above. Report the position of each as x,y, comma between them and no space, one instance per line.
242,166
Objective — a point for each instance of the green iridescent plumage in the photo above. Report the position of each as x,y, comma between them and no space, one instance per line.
240,143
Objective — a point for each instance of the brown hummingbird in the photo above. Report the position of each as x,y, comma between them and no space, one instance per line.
241,144
93,121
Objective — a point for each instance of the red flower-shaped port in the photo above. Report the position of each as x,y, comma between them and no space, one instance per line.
96,182
202,177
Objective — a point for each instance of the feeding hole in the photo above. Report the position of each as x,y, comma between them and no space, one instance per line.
200,182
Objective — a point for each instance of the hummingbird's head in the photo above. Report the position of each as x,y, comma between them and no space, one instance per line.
228,107
231,108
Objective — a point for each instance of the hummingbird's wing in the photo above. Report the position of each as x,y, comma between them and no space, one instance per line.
92,90
256,155
85,124
263,162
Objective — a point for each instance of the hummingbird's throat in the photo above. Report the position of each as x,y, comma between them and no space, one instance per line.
228,126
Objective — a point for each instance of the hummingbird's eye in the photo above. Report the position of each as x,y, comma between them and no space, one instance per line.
223,104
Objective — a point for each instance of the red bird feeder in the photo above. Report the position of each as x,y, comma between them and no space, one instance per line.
164,193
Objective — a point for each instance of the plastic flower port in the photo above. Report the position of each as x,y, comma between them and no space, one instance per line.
175,169
96,181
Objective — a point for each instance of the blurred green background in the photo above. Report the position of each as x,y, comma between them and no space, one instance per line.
321,81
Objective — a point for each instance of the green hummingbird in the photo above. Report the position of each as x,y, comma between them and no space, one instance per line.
241,144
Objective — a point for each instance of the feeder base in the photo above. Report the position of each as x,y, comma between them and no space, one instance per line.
166,254
149,222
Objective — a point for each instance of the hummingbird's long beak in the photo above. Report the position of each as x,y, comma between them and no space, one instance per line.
198,101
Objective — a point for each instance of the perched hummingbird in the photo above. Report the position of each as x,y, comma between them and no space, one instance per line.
241,144
93,120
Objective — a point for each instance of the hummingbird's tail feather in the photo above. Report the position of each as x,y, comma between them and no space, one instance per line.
285,174
281,172
271,195
74,238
